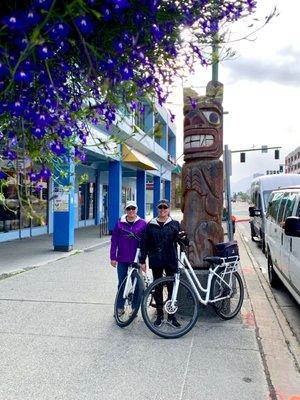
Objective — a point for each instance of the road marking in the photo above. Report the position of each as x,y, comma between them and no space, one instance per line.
246,239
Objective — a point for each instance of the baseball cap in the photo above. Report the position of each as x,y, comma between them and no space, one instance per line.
131,203
163,202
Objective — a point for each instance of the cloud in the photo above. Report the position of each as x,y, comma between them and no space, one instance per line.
283,69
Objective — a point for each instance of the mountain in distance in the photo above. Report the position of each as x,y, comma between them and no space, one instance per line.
242,185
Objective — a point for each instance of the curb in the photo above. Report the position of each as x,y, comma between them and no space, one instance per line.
21,270
278,345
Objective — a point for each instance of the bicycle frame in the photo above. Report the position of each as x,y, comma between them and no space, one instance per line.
130,286
183,262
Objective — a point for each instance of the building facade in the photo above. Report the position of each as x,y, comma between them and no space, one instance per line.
112,174
292,162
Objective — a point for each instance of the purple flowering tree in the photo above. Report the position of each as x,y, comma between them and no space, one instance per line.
66,64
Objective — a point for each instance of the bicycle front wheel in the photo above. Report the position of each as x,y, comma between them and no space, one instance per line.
128,299
157,311
231,298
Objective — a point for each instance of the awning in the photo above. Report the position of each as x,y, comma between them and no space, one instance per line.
136,158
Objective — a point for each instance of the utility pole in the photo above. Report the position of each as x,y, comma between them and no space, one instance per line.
215,58
228,172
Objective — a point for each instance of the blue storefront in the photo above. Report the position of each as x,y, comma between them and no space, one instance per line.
112,175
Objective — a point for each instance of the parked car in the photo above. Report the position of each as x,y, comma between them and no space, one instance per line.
283,239
261,188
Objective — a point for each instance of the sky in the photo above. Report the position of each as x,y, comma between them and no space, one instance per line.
261,89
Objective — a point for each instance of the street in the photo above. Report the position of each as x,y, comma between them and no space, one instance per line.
284,299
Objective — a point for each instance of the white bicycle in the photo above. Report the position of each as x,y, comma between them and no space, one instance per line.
180,295
129,294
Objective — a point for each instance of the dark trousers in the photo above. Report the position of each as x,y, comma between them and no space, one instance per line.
158,295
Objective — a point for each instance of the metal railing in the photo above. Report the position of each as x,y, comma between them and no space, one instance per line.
103,227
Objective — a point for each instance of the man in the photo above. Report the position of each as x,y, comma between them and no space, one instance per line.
158,243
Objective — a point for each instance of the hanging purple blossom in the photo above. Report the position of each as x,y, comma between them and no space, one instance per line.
57,148
81,62
44,51
42,4
45,173
60,30
23,76
33,176
38,188
84,24
3,175
3,70
30,18
10,154
38,133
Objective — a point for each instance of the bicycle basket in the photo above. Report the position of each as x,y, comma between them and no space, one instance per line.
227,249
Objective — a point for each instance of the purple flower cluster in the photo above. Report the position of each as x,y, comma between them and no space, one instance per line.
63,68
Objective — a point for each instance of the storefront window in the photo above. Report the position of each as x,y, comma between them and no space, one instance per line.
39,202
126,195
91,200
86,201
9,209
34,210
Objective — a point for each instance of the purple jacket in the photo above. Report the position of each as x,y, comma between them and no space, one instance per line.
123,245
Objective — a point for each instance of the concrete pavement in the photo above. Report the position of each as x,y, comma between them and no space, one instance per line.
59,341
19,255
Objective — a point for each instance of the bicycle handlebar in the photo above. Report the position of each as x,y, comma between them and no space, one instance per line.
182,239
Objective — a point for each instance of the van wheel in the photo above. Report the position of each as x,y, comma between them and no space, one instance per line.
273,277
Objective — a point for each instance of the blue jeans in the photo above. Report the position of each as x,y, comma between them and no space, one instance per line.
122,270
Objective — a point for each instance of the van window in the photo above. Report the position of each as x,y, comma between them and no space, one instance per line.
266,197
258,201
274,205
280,220
289,206
269,205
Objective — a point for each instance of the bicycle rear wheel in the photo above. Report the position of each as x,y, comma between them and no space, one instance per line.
227,308
186,308
128,299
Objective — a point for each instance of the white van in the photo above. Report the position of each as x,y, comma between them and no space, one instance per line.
261,188
283,239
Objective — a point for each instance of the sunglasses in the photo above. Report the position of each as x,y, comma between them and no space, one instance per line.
130,208
162,207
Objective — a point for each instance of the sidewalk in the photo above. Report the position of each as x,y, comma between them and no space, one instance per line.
59,340
24,254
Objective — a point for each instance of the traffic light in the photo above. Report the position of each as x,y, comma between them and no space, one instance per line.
280,168
276,154
243,157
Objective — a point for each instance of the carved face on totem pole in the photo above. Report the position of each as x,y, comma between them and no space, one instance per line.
203,133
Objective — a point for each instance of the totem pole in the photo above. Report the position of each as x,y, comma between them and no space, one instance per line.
202,173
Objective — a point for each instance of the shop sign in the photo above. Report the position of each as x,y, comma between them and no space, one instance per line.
61,200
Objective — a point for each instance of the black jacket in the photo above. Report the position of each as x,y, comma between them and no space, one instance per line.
158,243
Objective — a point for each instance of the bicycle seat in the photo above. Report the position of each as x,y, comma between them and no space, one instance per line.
213,260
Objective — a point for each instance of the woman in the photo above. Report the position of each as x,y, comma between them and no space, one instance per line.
125,240
158,243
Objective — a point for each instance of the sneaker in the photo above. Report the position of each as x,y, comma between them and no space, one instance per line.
172,320
159,320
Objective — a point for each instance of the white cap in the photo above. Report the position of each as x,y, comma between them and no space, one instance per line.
131,203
